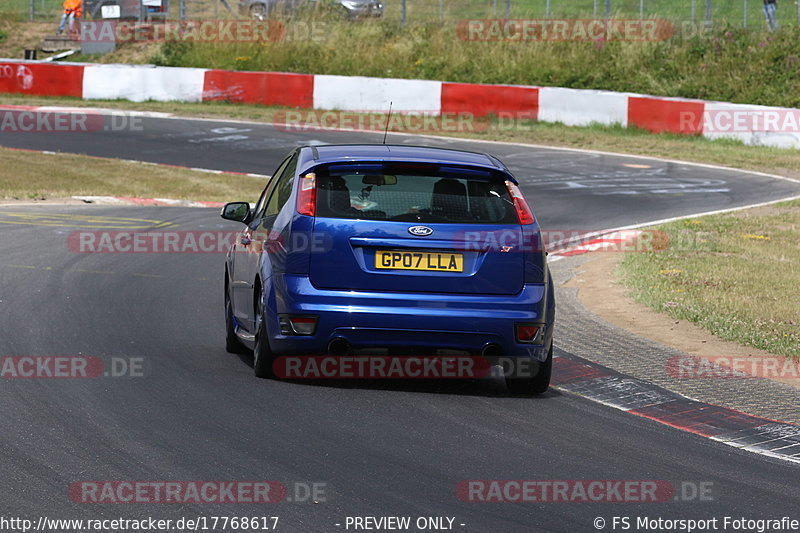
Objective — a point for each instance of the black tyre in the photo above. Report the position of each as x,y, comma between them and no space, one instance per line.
537,384
263,358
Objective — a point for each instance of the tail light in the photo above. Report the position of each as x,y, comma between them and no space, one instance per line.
307,195
529,333
298,324
524,213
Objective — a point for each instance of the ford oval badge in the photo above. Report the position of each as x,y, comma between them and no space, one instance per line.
420,231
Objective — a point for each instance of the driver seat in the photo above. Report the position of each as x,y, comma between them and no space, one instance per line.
450,199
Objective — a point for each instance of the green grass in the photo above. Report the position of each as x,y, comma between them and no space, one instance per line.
736,275
732,11
42,8
31,176
726,64
426,10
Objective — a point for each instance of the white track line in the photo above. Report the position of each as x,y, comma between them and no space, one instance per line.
172,116
667,220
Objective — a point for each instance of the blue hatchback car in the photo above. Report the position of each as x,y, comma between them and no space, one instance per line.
390,249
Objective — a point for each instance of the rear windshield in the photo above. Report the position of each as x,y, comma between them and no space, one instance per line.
415,198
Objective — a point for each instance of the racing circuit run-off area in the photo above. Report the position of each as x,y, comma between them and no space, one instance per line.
364,266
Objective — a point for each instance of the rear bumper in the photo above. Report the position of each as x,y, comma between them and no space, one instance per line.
419,322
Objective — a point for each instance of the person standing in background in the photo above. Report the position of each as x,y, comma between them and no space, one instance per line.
771,12
72,10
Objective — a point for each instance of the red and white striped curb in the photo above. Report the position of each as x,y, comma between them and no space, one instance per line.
574,107
763,436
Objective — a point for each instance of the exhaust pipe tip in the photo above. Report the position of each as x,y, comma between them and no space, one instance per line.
339,347
492,350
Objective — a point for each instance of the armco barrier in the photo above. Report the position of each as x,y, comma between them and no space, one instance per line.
575,107
782,133
265,88
483,100
355,93
42,79
665,114
139,83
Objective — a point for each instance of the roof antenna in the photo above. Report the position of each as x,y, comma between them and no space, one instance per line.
389,116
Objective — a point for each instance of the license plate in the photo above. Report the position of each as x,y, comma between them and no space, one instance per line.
436,261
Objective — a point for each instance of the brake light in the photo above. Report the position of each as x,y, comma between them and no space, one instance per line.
297,324
524,213
527,333
307,195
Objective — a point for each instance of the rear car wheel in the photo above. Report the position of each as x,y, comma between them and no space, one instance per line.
263,358
538,384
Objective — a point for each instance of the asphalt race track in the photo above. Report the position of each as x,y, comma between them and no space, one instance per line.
568,190
380,449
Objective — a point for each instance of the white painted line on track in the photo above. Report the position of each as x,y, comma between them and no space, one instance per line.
172,116
555,257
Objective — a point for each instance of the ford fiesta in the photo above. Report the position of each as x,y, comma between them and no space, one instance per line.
390,249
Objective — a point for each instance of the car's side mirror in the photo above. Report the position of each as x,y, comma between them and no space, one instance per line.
236,211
